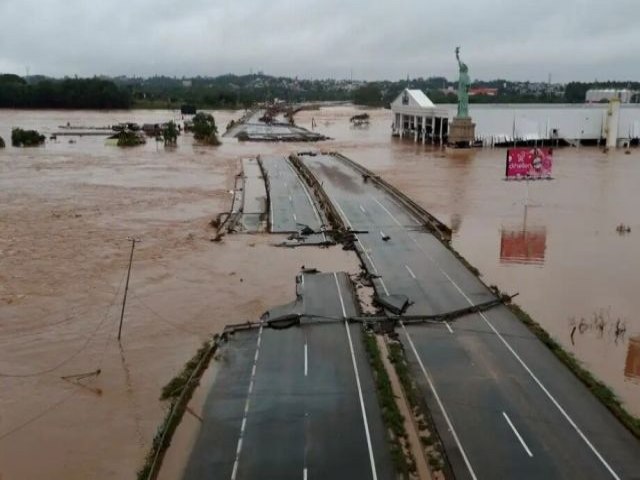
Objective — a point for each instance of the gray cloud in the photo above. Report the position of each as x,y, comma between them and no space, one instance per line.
571,39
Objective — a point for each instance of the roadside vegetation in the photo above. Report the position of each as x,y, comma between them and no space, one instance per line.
26,138
391,416
2,145
428,436
177,392
598,388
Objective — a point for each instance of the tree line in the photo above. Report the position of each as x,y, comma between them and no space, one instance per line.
381,94
238,91
68,93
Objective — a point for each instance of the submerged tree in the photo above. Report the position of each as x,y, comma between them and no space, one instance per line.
170,133
127,138
26,138
204,129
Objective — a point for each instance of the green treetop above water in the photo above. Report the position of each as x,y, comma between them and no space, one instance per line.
463,87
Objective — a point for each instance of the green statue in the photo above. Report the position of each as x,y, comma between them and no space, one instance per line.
463,87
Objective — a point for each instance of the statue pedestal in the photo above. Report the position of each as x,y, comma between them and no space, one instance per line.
462,132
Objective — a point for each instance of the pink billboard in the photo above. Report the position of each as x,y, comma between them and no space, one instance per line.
529,163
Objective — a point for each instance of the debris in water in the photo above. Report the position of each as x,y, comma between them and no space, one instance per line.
623,229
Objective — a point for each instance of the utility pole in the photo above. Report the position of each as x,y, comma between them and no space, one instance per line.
126,288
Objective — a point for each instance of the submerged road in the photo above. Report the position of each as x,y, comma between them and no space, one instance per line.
253,129
298,403
504,405
291,206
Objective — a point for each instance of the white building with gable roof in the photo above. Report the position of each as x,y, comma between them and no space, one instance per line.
415,115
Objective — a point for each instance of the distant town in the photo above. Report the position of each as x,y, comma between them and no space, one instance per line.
237,91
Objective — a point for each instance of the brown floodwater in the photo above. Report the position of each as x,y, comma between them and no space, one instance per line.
67,209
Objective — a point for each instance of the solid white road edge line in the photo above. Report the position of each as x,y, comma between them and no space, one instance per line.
442,409
236,463
344,311
364,250
537,381
355,369
304,188
385,209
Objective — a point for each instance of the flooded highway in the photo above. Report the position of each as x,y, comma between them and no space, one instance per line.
299,401
578,271
67,209
481,369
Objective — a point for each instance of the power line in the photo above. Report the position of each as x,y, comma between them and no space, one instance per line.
74,354
164,319
38,416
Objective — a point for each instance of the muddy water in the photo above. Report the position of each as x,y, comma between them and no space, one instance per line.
554,242
66,210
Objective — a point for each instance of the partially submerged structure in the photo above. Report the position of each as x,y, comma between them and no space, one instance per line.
415,115
269,126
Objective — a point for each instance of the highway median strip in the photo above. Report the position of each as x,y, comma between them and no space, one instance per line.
393,420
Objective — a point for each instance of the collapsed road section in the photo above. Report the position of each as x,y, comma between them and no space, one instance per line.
260,127
503,404
297,402
291,205
248,211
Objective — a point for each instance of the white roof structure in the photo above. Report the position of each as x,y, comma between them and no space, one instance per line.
415,102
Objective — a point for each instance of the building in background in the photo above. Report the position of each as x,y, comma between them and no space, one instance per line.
415,115
595,95
489,92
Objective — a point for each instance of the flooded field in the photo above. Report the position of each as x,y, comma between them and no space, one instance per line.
68,208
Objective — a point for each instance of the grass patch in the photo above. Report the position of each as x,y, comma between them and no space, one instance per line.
393,419
178,391
396,356
428,433
176,385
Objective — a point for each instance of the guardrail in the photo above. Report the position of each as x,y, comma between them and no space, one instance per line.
434,225
325,204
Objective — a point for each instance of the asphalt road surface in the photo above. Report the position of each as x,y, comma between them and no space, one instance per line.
298,403
503,404
254,200
291,206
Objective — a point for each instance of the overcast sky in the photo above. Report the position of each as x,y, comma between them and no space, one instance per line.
376,39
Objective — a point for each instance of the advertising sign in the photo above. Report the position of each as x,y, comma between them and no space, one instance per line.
525,247
529,163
